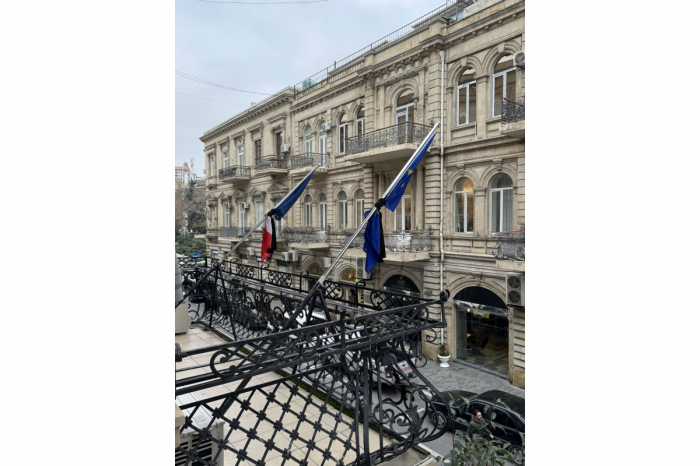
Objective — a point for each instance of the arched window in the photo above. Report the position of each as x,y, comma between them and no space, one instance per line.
322,211
321,140
466,97
360,124
464,206
503,83
359,207
404,107
501,203
307,210
342,133
308,141
402,214
342,210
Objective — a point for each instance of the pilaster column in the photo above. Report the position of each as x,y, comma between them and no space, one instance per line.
483,108
419,221
480,212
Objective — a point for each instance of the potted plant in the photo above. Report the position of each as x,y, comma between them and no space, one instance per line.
443,355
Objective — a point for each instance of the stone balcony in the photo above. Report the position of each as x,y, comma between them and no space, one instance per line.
212,233
513,117
271,165
398,141
401,246
303,164
306,238
234,173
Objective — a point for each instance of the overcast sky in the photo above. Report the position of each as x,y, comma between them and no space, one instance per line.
264,48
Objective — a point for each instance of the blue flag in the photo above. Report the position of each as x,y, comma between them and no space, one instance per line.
374,241
394,197
287,203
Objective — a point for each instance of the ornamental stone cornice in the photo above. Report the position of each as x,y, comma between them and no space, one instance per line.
238,134
277,191
278,116
401,76
255,193
255,127
240,195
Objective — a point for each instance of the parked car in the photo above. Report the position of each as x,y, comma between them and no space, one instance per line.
512,420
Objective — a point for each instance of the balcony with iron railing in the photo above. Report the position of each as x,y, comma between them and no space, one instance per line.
513,117
306,237
271,165
234,173
233,232
384,144
301,164
510,246
400,245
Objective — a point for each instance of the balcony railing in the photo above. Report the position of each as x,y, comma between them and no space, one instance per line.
396,241
306,235
233,232
310,159
510,246
513,110
236,171
272,162
199,183
403,133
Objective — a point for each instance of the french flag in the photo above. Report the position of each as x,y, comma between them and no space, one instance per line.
269,239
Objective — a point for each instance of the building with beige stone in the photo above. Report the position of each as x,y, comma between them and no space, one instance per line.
461,223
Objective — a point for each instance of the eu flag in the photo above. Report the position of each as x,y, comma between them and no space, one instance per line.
394,197
374,241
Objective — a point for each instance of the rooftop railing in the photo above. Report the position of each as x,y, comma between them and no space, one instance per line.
403,133
234,171
513,111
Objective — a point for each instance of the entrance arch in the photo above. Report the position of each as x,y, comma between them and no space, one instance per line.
482,329
403,285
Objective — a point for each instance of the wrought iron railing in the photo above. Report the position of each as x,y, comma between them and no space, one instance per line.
270,162
236,171
394,240
452,10
310,159
305,235
510,246
513,111
199,183
233,232
403,133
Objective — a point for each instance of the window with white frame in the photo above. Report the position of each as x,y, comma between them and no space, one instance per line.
342,210
227,215
308,140
259,212
342,134
359,207
226,159
241,215
258,149
466,97
241,155
360,123
464,206
503,84
307,210
322,211
501,203
404,115
322,141
402,214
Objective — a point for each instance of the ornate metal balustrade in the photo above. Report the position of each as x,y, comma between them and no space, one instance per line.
301,390
306,235
403,133
199,183
510,246
233,232
236,171
310,159
270,163
513,110
399,241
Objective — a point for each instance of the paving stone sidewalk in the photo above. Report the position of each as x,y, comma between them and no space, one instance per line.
461,377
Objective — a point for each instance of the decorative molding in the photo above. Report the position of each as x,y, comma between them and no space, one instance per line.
240,195
401,76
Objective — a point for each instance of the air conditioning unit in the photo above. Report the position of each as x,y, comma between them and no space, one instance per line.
287,256
515,290
286,148
294,256
519,59
245,205
360,267
250,251
189,437
325,126
325,262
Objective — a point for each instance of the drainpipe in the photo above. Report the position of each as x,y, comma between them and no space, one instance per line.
442,155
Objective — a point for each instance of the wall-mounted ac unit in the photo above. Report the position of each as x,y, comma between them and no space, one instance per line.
286,148
360,267
325,126
294,256
250,251
325,262
515,290
189,437
519,59
245,205
289,256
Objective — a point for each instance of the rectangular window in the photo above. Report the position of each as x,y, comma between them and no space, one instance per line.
466,103
258,150
227,216
360,127
259,212
308,214
501,90
464,212
359,212
343,215
501,210
322,215
241,215
495,211
225,159
278,143
342,134
241,156
322,143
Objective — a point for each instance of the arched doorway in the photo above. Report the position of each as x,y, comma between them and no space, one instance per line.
482,329
403,285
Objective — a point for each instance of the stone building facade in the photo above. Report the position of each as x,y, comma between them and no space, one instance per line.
460,225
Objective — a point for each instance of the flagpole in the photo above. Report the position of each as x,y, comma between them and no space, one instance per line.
219,261
374,209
